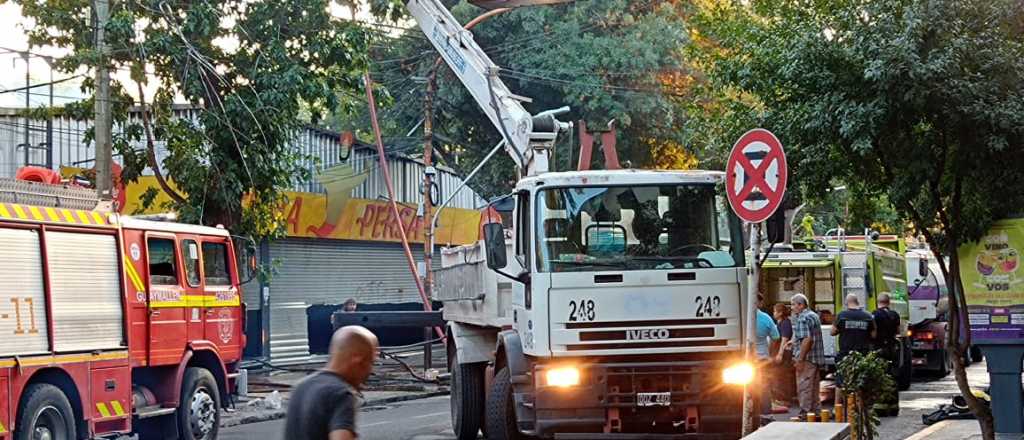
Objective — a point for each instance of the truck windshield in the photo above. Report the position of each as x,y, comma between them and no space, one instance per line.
634,228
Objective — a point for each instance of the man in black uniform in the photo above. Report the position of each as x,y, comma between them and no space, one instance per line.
887,323
856,329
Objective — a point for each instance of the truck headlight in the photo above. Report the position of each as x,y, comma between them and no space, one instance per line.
562,377
738,374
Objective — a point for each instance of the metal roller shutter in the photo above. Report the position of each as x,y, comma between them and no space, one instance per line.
23,322
316,271
85,287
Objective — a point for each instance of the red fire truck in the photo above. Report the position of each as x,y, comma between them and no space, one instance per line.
112,325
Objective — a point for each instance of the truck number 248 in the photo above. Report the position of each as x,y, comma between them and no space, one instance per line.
709,306
582,311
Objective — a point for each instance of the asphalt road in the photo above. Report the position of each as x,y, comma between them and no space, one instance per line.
425,419
428,419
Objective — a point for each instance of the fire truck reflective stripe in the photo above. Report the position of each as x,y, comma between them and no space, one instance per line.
102,408
83,217
133,275
68,216
4,212
36,213
196,301
98,219
116,406
63,359
52,213
20,212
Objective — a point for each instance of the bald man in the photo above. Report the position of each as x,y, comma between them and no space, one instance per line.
323,406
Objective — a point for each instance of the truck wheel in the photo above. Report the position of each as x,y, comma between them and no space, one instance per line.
944,363
467,400
501,411
904,370
45,413
199,409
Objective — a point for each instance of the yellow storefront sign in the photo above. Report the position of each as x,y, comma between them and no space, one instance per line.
374,220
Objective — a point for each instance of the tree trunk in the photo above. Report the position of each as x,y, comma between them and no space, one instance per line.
957,351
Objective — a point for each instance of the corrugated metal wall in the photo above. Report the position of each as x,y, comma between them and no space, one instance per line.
320,148
315,272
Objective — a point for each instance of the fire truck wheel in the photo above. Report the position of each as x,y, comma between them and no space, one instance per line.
467,400
501,412
199,410
45,414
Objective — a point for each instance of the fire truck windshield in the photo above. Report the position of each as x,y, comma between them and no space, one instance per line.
635,228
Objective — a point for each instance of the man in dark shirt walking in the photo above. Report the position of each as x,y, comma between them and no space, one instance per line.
887,323
856,329
323,406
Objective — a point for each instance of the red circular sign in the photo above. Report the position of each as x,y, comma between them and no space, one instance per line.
755,175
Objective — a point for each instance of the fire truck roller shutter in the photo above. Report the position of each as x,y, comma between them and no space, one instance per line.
86,291
22,301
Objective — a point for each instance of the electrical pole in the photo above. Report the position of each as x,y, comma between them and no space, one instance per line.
102,120
428,181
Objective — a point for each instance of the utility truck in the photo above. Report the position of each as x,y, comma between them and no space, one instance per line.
835,266
611,307
112,325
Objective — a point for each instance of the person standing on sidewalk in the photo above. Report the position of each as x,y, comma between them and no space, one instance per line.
767,342
887,323
784,386
808,354
323,406
856,330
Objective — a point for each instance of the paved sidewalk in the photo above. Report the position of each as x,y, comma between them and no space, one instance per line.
950,430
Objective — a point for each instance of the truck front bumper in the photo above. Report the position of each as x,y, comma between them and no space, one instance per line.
694,401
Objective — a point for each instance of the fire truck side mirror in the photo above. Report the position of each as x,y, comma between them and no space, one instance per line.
245,252
494,242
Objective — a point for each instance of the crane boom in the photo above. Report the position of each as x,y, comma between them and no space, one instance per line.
528,138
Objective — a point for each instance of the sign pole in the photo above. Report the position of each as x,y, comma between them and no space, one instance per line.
749,416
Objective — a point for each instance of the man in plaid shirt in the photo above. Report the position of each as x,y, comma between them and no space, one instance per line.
808,354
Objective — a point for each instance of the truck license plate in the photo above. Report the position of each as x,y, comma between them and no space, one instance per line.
653,399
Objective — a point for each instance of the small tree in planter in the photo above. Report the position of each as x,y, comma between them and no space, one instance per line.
865,376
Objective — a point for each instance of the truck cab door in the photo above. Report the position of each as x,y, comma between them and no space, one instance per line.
167,320
195,296
223,301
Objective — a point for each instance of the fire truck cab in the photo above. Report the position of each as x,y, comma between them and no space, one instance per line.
113,325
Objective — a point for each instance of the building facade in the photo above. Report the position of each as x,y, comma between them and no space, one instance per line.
342,238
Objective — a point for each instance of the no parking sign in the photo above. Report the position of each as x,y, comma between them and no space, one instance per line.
755,175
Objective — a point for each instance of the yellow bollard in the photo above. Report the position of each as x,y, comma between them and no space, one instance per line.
840,411
826,416
794,419
812,417
851,413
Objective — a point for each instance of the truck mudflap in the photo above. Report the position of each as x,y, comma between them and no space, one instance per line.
684,399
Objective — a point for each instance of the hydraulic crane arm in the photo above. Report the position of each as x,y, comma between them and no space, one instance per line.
528,138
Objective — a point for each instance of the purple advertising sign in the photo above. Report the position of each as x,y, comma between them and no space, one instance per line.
994,284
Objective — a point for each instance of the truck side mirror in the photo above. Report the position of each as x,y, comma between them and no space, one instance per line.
245,256
494,242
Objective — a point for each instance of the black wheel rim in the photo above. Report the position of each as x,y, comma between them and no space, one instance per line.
49,424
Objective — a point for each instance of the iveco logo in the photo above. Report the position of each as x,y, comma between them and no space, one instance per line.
646,334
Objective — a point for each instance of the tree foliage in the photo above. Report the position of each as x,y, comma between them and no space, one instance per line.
919,101
255,71
865,376
610,60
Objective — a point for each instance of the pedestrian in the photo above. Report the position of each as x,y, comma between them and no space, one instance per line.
784,385
767,340
856,330
808,355
350,305
887,325
323,406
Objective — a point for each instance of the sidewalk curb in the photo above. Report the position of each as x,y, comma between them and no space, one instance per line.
280,413
929,430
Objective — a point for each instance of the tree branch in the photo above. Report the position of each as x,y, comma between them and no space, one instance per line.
151,151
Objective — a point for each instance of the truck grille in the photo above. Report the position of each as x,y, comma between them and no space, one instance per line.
624,335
